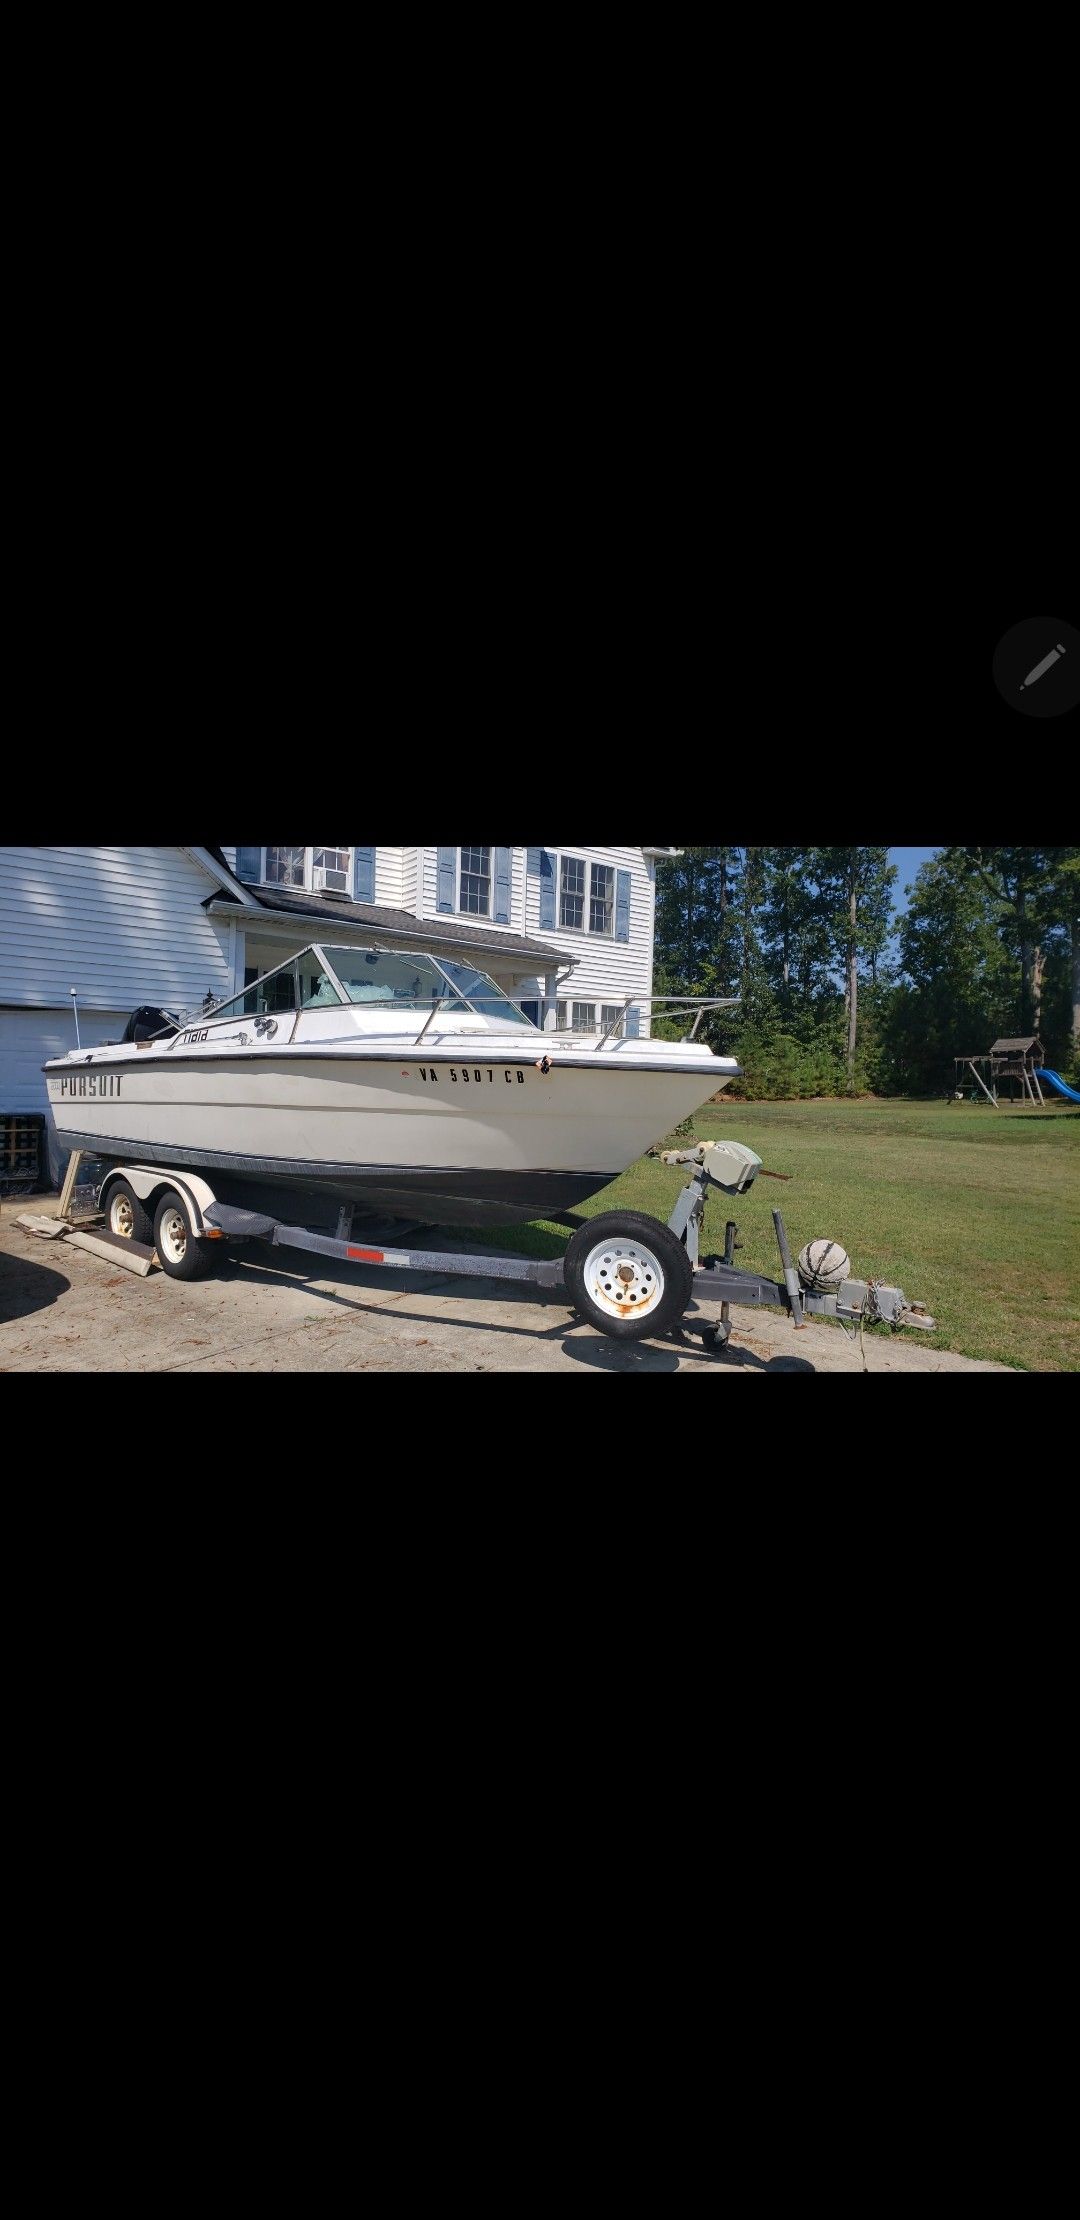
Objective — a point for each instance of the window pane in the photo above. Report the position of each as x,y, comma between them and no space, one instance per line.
332,859
483,993
388,975
476,882
584,1019
317,990
564,1018
610,1013
285,866
572,894
271,996
602,898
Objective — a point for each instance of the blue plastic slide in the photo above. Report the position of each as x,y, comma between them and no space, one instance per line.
1055,1080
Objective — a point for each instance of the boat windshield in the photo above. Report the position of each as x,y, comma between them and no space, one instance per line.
390,975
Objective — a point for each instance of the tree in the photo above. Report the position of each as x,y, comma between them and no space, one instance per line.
1017,881
957,985
855,890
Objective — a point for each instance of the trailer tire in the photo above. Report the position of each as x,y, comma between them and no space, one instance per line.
628,1274
127,1217
181,1255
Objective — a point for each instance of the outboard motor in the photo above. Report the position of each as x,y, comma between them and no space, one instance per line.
148,1024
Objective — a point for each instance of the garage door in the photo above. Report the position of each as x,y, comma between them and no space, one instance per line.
27,1037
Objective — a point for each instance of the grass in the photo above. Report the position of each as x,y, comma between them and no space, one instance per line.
974,1212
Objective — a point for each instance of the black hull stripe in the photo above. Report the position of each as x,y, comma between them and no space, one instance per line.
243,1062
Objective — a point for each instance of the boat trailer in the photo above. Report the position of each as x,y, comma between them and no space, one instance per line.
627,1273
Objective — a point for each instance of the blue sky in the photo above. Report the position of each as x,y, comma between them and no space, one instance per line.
907,861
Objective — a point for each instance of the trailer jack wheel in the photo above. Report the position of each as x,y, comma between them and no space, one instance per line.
713,1337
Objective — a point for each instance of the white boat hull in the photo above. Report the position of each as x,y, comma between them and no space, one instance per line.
447,1136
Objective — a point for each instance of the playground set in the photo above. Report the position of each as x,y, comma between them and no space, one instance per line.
1019,1059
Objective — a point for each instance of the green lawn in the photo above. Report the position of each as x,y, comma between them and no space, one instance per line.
974,1212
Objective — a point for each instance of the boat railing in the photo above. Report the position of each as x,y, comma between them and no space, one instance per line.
675,1004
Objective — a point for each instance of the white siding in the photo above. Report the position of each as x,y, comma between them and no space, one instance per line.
28,1037
388,876
123,925
409,879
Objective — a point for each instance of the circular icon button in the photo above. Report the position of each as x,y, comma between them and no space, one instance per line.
1037,667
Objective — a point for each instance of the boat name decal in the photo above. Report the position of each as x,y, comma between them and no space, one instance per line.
471,1074
190,1037
91,1083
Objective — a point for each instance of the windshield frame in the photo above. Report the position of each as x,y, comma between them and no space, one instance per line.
459,997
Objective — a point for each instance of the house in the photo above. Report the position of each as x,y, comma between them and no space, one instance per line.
567,931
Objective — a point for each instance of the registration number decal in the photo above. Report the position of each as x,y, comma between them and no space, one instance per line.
470,1075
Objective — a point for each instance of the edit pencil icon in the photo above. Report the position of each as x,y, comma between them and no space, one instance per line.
1043,666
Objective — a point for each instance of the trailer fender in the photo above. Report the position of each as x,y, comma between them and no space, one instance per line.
149,1182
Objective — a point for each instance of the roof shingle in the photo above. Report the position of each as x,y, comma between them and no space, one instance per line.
346,915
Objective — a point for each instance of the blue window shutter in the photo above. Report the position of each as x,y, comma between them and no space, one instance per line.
249,864
622,905
547,891
633,1017
364,875
447,876
532,862
502,886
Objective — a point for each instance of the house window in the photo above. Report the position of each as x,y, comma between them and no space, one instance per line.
284,866
475,896
577,1017
332,871
305,870
572,894
610,1013
586,896
602,899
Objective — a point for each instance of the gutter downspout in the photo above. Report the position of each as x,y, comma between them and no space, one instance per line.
553,980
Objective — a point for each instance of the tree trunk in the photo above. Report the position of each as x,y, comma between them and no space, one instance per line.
1076,987
853,984
1027,953
749,948
1038,967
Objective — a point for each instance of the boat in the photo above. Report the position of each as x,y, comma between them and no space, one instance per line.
387,1080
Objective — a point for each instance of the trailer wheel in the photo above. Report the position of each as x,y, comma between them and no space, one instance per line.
182,1256
628,1274
127,1216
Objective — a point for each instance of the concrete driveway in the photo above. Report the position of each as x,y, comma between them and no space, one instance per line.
265,1310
